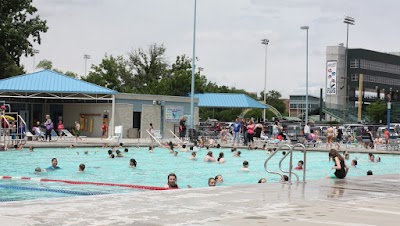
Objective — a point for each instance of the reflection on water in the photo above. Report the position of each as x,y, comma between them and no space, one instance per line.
337,188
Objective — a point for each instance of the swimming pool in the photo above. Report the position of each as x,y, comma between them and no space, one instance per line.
153,168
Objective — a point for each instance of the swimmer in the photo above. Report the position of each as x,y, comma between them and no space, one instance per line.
30,148
245,166
346,155
219,179
112,156
132,163
170,146
126,150
218,146
38,170
119,154
262,181
233,149
354,163
85,152
299,165
109,152
341,169
121,145
175,153
172,181
209,157
183,149
211,182
71,146
372,158
369,173
221,158
237,154
81,167
284,178
378,159
193,156
54,164
151,149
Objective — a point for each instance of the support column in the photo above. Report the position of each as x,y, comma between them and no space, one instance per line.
112,115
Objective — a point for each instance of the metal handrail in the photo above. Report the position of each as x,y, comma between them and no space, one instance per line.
267,160
304,150
290,172
176,137
154,138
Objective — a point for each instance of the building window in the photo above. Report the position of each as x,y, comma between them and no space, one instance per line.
354,77
354,63
378,66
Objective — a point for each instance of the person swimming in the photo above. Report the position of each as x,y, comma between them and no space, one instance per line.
171,183
245,166
132,163
221,158
211,182
54,164
193,156
81,167
209,157
219,179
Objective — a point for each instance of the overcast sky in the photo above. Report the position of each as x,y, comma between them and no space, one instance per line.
228,35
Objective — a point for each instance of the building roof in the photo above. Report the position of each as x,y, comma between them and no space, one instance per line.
228,100
48,81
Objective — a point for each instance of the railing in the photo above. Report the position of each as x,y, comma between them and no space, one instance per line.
304,150
272,155
290,172
177,139
14,135
154,138
289,149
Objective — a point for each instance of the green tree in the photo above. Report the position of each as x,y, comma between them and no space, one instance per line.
377,111
112,73
45,64
19,28
273,98
147,67
48,65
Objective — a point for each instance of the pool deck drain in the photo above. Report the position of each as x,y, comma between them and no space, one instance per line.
369,200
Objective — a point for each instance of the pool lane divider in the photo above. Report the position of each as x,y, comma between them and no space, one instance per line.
50,190
86,182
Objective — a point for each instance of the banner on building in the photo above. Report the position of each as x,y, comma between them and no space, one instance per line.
331,78
173,113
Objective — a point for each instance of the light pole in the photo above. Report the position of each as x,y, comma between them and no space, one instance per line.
193,69
265,42
306,28
349,21
34,51
86,57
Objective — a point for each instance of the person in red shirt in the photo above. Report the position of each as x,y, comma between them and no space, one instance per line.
299,165
386,134
104,130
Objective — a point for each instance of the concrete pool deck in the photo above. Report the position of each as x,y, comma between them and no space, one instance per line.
143,142
369,200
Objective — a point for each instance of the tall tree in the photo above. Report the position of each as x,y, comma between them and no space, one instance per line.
111,73
148,66
377,111
45,64
19,28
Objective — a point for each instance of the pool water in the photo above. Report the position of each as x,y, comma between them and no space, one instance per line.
153,168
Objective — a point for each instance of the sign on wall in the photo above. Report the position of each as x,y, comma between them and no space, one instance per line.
331,78
173,113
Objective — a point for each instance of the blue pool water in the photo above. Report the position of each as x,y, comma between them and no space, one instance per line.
153,168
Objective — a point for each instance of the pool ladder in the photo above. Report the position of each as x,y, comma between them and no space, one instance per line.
289,152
